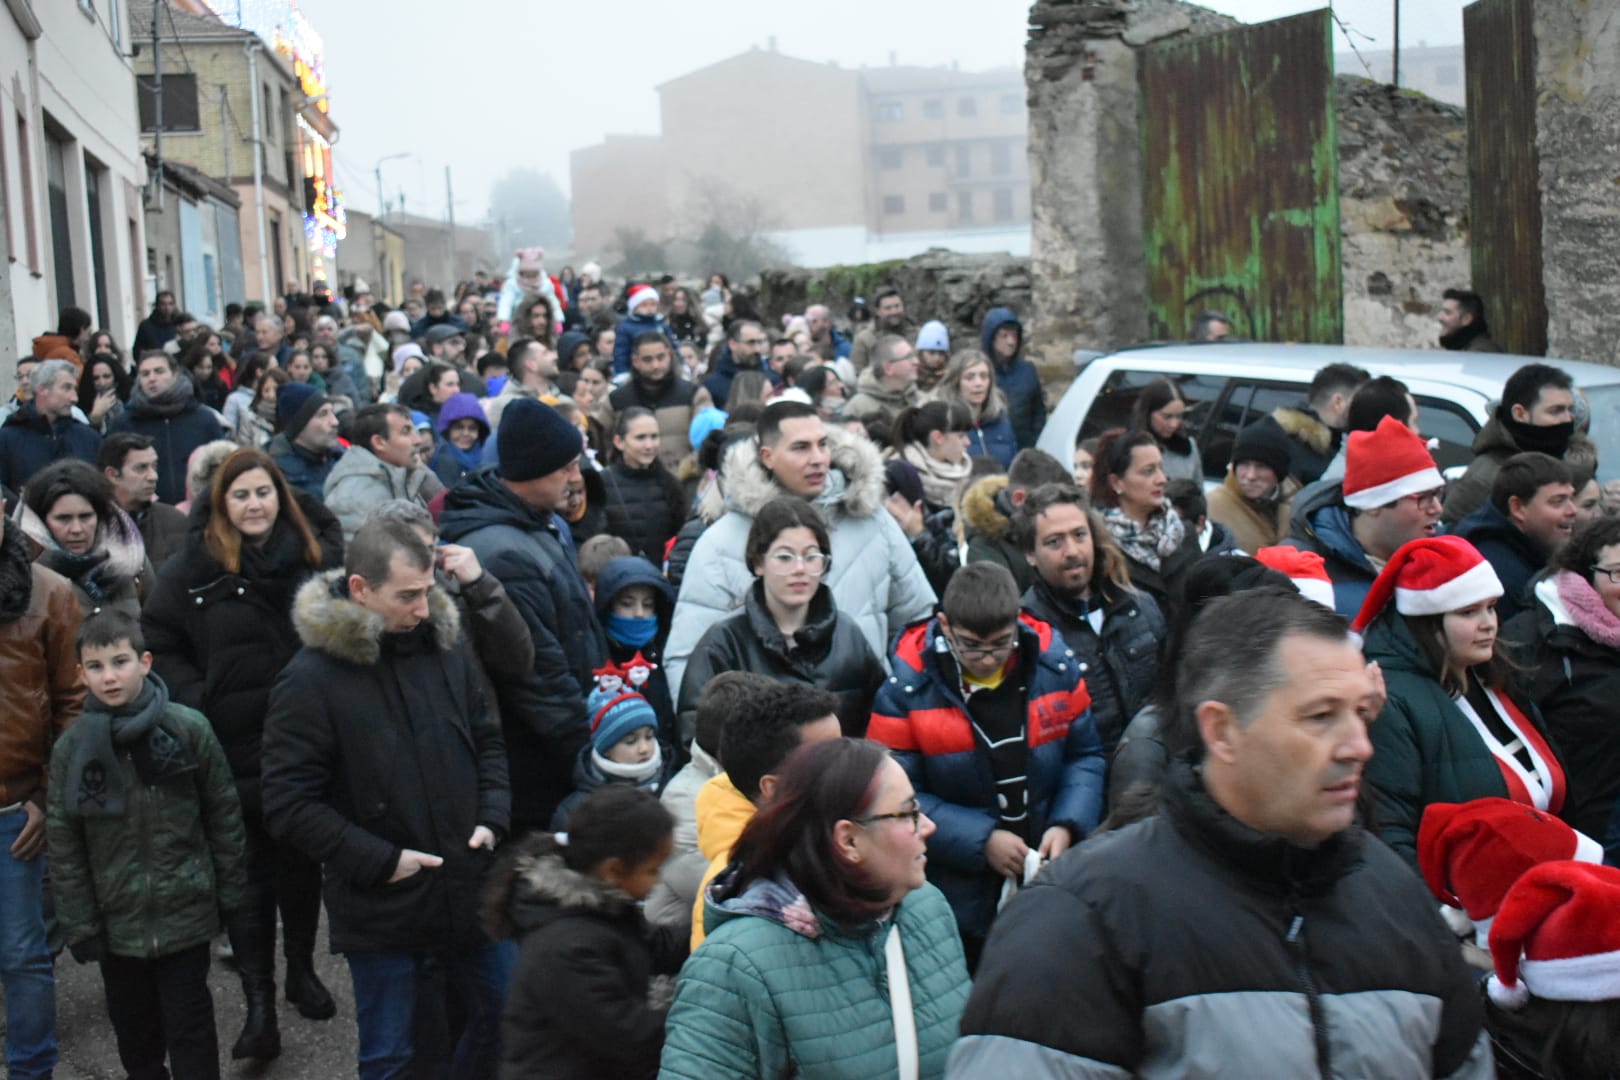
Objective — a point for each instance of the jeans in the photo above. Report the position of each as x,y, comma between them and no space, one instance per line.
162,1008
386,991
26,973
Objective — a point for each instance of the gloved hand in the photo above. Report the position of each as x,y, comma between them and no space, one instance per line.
91,950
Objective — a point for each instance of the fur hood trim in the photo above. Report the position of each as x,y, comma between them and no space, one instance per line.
979,507
749,486
1306,427
119,537
327,620
545,878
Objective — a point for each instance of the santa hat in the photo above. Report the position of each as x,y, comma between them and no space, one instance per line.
1430,576
1306,569
1471,853
1557,936
640,295
1384,465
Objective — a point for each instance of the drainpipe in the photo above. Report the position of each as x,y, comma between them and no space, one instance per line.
253,45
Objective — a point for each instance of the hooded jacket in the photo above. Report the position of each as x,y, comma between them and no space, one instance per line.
877,404
29,442
376,742
543,714
449,465
633,326
576,1007
718,384
987,515
1189,944
994,438
722,813
57,347
360,482
1016,378
618,575
1322,525
1515,556
874,575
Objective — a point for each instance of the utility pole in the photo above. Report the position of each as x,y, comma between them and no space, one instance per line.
1395,75
450,212
157,105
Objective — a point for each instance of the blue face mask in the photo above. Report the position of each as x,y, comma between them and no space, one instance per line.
635,631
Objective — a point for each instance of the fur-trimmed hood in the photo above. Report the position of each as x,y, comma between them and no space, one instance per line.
1303,424
535,888
979,510
118,537
326,619
749,486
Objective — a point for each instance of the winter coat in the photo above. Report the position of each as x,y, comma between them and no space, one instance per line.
726,368
360,481
174,437
1322,525
576,1007
1185,463
1120,664
29,442
860,349
543,714
1574,681
156,880
1164,584
252,430
829,652
152,334
163,532
987,517
115,574
1492,446
670,902
773,995
937,549
619,574
1189,944
39,667
722,813
632,327
302,469
588,776
1424,749
1311,443
1017,379
922,716
994,438
673,404
874,576
378,742
876,405
645,507
1253,525
1512,553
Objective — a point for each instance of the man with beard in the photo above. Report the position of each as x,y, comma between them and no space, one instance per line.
164,408
744,350
306,448
886,388
1462,323
1529,518
1537,413
825,339
654,385
158,328
131,463
891,320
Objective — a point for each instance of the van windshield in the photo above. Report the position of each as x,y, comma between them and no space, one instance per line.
1605,401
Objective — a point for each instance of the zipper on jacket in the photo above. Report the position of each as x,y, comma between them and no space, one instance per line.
1296,946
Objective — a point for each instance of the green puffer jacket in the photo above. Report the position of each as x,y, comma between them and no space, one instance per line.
156,880
778,991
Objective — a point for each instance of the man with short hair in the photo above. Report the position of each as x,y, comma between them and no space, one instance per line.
654,384
1462,323
131,463
43,430
270,335
886,387
378,467
434,314
1002,339
826,341
385,675
1252,502
989,504
1230,931
158,328
1537,412
1528,519
348,376
1315,427
72,331
1211,326
587,303
874,575
891,321
744,350
531,373
508,517
1391,494
306,448
446,342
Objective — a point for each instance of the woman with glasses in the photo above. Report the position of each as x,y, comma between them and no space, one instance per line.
1567,649
988,713
1453,728
829,955
1161,411
789,627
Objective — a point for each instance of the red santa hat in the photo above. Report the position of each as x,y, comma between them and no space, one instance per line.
1471,853
1384,465
1557,936
1430,576
640,295
1306,569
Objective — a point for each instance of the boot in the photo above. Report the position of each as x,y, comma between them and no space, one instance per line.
255,947
304,987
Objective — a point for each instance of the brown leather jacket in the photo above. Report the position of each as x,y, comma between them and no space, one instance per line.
39,618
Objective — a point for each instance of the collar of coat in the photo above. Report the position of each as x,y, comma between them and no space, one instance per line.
749,485
327,620
1300,422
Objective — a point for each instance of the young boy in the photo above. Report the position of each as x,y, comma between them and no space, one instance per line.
624,748
635,605
147,850
643,318
596,553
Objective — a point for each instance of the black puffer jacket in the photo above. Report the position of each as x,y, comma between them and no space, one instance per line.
1164,584
645,507
829,653
219,639
1121,664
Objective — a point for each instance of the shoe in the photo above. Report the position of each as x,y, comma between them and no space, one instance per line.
261,1037
306,991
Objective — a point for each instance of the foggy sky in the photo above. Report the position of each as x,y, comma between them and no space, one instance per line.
487,85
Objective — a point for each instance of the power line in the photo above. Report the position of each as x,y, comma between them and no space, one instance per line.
175,30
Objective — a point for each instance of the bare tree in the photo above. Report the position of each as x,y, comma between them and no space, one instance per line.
636,254
731,230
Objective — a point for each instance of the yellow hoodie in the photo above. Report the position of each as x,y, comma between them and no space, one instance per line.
722,813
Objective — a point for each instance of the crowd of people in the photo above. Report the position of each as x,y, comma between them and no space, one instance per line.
640,686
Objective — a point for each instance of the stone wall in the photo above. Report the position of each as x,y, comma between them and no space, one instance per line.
1578,141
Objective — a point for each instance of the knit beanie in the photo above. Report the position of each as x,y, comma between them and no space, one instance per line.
934,337
1386,464
617,717
534,441
1557,936
1264,443
531,260
1430,576
296,405
405,352
396,320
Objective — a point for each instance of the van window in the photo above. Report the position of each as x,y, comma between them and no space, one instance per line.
1446,421
1245,404
1115,399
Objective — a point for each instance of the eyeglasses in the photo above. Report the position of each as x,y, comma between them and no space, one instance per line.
1436,496
1613,575
913,816
784,562
985,651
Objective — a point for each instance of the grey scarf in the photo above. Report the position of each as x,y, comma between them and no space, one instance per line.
172,402
96,786
1148,544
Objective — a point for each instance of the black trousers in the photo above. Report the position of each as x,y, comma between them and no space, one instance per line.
279,877
162,1008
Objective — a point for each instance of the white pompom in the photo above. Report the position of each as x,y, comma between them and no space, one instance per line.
1508,997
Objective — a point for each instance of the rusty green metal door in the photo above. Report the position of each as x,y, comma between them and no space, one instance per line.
1504,194
1240,170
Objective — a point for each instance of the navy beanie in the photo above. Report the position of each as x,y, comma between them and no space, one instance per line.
534,441
296,405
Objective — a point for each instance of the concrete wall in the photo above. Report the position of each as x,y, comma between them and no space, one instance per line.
1578,140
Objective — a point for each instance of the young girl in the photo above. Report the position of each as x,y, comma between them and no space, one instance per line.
462,432
635,606
645,504
624,747
577,1003
934,438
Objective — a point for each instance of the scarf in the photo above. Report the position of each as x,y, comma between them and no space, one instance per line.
1551,439
469,460
97,787
276,567
643,774
1592,616
940,479
1459,339
266,410
115,559
1147,544
172,402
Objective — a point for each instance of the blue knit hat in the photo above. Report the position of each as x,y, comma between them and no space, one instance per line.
617,717
707,420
